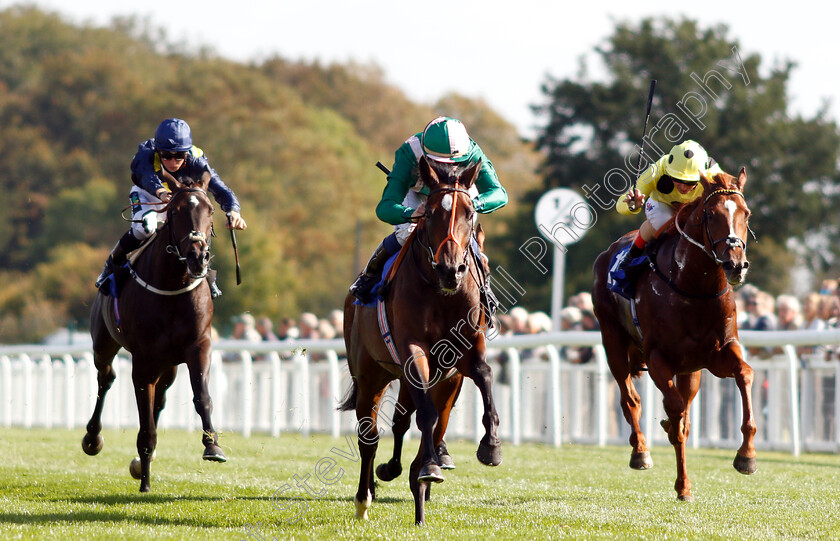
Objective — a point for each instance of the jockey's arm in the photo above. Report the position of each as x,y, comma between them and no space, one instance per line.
645,184
390,208
491,194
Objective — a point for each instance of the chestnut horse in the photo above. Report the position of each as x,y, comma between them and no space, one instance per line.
437,324
685,309
163,319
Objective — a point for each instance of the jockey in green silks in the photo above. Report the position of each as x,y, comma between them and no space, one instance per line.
443,140
673,178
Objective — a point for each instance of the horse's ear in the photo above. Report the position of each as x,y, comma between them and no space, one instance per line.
705,181
171,181
742,179
204,181
470,175
480,236
427,173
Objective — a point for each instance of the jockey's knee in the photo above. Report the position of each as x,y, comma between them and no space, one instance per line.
145,226
392,243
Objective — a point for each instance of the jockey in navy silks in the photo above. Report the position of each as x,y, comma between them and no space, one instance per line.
171,150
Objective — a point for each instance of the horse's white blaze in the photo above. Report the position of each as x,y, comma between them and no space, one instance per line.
193,201
731,206
447,202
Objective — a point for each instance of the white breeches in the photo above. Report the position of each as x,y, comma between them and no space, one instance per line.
658,213
149,218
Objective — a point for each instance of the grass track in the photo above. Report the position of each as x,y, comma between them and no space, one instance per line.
49,489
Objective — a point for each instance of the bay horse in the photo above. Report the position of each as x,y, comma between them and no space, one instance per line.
685,307
404,408
163,319
437,323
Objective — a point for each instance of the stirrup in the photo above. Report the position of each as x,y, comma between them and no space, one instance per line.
215,291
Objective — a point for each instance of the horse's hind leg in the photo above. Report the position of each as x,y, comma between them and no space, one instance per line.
419,489
104,350
401,423
631,404
368,398
444,395
144,392
199,375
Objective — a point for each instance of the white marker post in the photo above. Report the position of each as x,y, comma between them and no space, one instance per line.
563,217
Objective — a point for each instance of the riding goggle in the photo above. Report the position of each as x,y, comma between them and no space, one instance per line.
166,155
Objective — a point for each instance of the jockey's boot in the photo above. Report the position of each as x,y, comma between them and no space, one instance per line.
118,256
632,254
361,288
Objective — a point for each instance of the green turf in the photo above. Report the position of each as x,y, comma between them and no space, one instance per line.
49,489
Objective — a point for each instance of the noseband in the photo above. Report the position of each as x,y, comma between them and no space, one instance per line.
450,236
731,240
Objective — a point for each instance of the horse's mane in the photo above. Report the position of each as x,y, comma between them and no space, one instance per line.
721,181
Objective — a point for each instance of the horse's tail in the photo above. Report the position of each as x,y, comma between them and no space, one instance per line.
348,403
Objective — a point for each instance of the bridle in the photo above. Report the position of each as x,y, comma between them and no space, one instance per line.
731,240
433,255
192,236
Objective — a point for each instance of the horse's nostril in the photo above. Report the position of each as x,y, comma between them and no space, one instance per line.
462,269
746,265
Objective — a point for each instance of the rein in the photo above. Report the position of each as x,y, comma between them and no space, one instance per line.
731,240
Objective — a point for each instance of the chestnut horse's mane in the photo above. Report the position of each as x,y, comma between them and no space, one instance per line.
721,181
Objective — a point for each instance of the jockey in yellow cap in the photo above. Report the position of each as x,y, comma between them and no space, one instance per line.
673,178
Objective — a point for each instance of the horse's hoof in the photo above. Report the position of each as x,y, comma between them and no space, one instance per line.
362,507
641,461
430,474
135,468
446,462
489,455
92,444
214,453
389,470
145,487
745,465
685,497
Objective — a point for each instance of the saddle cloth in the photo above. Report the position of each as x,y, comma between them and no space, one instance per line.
617,280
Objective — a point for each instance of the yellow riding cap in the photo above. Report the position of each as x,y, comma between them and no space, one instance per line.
686,160
683,163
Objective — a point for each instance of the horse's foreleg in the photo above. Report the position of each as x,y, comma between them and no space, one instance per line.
144,392
674,425
199,376
730,363
93,441
490,449
631,402
417,373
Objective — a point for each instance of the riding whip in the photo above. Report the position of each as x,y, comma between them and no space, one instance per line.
384,169
235,251
644,132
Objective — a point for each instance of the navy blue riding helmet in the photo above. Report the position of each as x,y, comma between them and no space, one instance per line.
173,135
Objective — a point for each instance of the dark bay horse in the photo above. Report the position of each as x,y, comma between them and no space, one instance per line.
437,324
686,314
163,320
404,408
